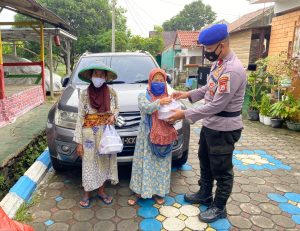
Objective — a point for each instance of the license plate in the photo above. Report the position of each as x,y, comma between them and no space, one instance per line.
129,141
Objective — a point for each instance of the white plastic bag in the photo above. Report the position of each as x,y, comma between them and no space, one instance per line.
165,111
111,142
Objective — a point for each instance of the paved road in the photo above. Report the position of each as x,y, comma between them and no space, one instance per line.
266,193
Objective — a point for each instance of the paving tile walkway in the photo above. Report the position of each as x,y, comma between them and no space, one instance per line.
266,193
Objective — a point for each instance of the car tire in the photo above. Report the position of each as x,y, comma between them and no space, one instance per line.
181,161
57,165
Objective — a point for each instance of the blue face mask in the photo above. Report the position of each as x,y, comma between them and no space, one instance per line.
158,88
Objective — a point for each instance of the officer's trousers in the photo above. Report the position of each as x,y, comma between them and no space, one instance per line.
215,155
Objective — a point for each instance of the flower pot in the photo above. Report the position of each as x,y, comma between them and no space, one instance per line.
261,118
293,126
253,115
276,96
267,120
276,122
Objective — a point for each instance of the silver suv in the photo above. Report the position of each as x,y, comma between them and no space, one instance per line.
133,69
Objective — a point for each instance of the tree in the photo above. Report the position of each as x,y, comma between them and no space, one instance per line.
153,45
89,20
103,41
194,16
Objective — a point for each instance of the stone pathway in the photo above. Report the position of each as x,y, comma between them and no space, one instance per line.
266,193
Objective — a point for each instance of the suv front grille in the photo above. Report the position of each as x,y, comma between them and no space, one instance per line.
132,120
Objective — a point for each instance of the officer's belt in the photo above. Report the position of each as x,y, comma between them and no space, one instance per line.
228,114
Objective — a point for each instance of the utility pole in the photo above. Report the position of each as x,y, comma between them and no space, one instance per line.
114,2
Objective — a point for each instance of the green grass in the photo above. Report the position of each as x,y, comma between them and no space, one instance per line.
23,214
3,183
22,163
61,70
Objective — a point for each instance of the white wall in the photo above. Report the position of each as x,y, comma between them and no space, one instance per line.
192,52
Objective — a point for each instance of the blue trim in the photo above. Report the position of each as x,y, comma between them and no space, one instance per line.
147,212
296,219
180,200
146,202
293,197
59,198
277,197
221,224
49,222
169,201
150,225
24,188
289,208
45,158
186,167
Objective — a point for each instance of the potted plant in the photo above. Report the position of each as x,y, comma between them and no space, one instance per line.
278,113
261,118
264,107
293,113
280,67
253,111
256,84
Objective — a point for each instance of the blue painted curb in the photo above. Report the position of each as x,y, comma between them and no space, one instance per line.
45,158
24,188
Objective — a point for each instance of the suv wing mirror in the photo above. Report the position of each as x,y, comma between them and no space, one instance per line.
65,80
169,78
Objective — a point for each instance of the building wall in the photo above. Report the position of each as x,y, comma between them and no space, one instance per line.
18,104
282,32
282,35
197,51
167,58
240,43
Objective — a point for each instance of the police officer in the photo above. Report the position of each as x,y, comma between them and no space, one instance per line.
222,122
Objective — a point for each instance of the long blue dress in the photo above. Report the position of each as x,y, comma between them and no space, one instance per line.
150,174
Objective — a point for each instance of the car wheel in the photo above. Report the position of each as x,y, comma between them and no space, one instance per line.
182,160
57,165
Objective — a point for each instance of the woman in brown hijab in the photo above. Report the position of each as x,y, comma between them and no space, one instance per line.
98,107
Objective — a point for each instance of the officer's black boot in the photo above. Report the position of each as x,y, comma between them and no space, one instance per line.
224,177
212,214
203,196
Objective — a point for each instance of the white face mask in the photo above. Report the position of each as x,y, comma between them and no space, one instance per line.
98,82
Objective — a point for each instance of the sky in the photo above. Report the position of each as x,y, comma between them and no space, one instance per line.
143,15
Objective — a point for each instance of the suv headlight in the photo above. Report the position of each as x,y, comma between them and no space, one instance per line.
65,119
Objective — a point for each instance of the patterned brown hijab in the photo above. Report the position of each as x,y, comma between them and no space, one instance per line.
99,97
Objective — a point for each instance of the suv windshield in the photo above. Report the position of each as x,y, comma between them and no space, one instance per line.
130,69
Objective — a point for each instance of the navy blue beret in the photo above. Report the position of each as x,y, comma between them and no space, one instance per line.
213,34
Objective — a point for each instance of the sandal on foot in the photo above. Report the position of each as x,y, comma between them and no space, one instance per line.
159,200
106,199
85,203
132,201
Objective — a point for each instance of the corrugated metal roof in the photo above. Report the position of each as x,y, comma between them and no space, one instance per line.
33,9
243,21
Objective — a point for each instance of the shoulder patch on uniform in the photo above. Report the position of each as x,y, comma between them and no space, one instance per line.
224,84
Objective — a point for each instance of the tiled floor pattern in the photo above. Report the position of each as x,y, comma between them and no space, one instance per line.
256,160
175,214
289,203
